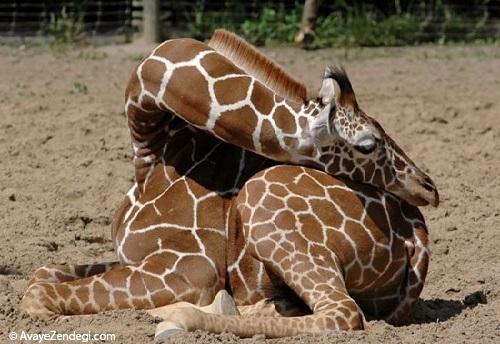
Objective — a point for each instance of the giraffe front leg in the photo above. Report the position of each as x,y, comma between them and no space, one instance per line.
153,283
418,261
67,272
311,271
223,303
338,311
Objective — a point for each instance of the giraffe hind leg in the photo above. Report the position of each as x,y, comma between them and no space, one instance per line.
67,272
147,285
93,294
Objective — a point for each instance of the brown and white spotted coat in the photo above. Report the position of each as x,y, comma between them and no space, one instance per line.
201,127
198,84
345,249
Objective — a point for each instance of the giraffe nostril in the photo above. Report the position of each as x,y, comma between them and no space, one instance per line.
428,186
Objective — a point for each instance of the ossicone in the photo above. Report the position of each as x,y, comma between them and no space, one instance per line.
345,96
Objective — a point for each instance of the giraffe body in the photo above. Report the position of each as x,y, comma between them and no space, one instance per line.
374,243
381,278
211,209
334,243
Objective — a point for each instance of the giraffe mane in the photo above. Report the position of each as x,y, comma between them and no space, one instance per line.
251,61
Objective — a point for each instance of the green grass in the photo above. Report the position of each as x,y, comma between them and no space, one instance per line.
351,27
79,88
348,26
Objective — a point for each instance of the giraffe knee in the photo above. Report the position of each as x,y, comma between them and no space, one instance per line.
346,317
335,322
357,322
355,318
40,275
38,303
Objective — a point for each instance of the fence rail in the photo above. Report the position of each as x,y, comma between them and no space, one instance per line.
192,18
21,18
33,18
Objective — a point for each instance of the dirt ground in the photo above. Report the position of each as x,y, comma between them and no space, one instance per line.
65,164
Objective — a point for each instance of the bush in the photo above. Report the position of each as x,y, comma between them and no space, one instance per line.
272,26
65,28
202,22
348,26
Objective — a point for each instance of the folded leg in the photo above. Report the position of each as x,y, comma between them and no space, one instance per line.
223,304
67,272
161,279
316,277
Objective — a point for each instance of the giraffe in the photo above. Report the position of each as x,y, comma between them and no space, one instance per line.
195,146
342,249
238,95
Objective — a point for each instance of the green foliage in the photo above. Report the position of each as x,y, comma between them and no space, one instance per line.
202,22
364,28
79,88
272,25
65,28
347,26
91,55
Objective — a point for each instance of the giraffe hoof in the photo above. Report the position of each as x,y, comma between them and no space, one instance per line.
223,304
167,329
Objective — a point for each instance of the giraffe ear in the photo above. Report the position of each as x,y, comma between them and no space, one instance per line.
322,129
327,91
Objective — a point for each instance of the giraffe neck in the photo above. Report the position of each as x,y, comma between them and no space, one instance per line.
219,98
286,133
290,133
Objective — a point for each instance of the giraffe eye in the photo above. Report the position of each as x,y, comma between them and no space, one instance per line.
366,145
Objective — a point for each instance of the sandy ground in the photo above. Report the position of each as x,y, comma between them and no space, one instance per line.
65,166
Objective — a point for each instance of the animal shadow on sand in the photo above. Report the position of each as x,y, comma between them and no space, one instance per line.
438,310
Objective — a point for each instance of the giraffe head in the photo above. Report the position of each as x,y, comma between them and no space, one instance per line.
355,145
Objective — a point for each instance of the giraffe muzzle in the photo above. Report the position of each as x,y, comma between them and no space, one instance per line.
421,191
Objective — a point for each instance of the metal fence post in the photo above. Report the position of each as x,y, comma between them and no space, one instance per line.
151,21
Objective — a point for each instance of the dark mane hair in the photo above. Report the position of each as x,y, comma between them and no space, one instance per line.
256,64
